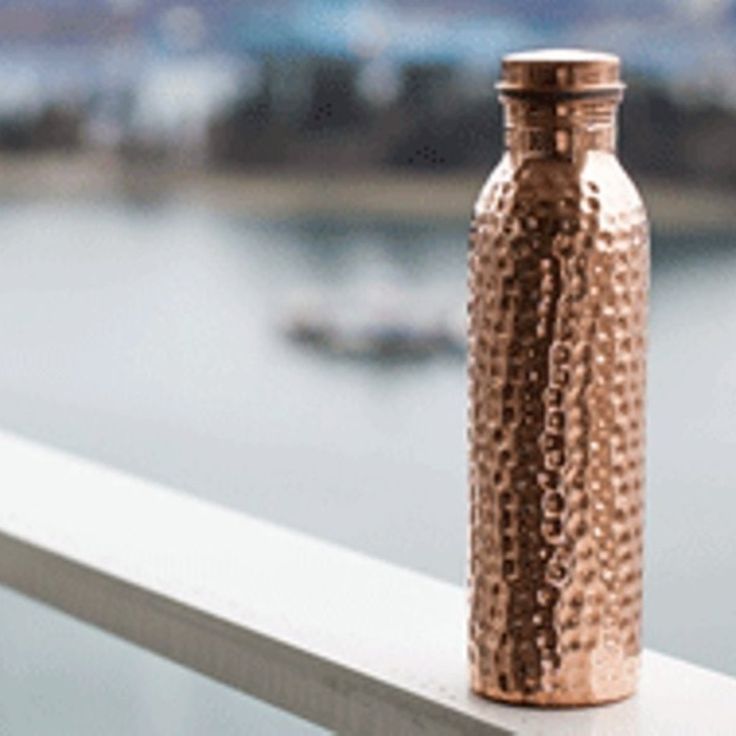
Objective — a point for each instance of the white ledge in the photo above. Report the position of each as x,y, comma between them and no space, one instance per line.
346,641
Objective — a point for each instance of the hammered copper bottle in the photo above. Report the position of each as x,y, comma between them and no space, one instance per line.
559,269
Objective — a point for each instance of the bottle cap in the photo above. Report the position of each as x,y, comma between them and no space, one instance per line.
560,73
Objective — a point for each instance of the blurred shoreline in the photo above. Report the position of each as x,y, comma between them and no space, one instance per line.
284,193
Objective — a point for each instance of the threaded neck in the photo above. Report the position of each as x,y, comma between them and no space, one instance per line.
559,129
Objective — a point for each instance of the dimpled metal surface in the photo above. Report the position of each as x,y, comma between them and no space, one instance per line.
559,271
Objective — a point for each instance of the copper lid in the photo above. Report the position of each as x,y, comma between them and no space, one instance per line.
560,73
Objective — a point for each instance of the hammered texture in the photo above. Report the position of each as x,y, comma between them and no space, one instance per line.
559,271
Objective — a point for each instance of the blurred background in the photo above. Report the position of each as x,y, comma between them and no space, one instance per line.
232,259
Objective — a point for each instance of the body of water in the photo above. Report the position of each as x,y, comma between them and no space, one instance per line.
150,339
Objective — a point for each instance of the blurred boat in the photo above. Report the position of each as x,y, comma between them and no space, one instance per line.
373,337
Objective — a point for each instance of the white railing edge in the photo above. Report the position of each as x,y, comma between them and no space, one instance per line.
350,642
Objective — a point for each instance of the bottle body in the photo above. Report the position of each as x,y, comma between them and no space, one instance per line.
559,274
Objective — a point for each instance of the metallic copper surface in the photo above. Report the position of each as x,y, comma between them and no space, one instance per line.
559,272
560,72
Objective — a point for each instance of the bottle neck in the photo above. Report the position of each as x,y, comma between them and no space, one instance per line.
564,129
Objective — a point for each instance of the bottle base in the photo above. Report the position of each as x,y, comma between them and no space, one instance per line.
555,699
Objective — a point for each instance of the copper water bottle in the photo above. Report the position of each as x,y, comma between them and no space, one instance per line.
559,270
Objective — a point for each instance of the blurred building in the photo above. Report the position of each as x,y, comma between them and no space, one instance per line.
348,83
